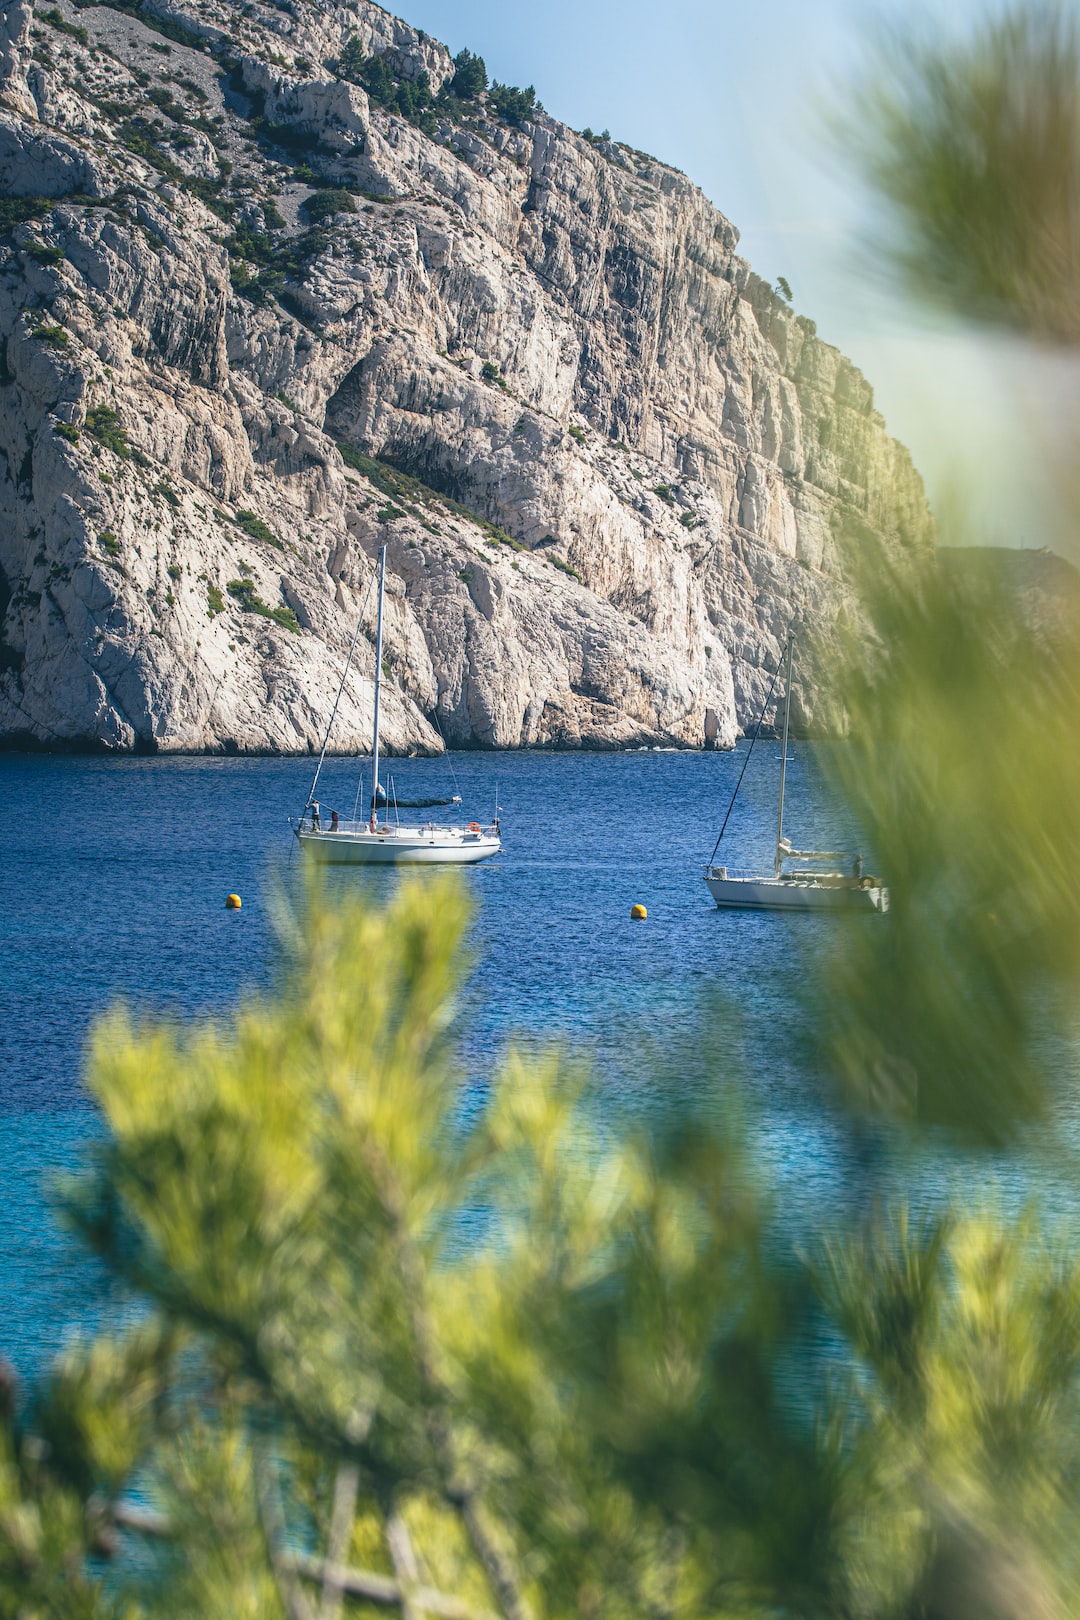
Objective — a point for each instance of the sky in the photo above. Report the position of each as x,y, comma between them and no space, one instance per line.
737,96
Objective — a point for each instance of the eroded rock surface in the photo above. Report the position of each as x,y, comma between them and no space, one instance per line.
610,465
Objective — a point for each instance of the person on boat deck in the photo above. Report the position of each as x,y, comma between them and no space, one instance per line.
316,824
856,867
333,821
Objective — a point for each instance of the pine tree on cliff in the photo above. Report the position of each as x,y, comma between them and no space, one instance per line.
470,76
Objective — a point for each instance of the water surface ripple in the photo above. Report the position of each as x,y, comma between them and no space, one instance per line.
115,881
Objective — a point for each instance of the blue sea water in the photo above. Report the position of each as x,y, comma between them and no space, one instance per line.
115,877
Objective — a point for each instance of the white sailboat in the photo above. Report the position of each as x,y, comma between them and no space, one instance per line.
386,842
801,879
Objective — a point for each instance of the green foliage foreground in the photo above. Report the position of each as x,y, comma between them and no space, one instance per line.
528,1368
974,145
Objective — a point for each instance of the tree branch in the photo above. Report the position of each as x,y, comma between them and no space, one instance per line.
463,1495
364,1583
272,1518
342,1515
336,1576
403,1558
498,1568
144,1520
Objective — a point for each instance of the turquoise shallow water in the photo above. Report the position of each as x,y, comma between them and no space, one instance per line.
116,871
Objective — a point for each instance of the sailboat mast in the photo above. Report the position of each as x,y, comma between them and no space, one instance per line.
783,759
378,687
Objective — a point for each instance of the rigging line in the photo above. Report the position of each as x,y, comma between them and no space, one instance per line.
749,751
337,700
446,747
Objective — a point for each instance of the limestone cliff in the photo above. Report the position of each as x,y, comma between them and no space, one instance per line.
1038,588
257,319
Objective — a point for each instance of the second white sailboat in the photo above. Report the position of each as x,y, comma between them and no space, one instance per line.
801,879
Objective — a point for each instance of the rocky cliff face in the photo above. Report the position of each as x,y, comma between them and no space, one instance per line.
1039,589
257,320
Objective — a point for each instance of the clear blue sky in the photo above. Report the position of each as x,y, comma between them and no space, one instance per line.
734,94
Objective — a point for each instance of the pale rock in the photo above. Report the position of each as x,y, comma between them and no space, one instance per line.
34,163
638,468
16,55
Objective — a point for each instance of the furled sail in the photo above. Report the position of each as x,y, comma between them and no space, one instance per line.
413,804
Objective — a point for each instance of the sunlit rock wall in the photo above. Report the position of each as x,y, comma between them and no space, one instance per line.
630,466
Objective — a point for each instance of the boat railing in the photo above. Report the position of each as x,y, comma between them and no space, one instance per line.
742,874
791,874
388,829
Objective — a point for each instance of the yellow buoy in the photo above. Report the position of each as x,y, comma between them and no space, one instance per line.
233,902
638,913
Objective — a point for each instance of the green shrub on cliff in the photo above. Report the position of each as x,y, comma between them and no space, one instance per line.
54,336
513,105
244,592
14,210
104,424
325,204
564,567
56,20
167,26
410,98
413,99
470,76
352,59
279,261
491,373
43,254
416,495
253,525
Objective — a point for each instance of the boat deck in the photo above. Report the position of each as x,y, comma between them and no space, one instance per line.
354,843
794,891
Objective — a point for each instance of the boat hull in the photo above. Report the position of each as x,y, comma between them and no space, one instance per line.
794,894
399,846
